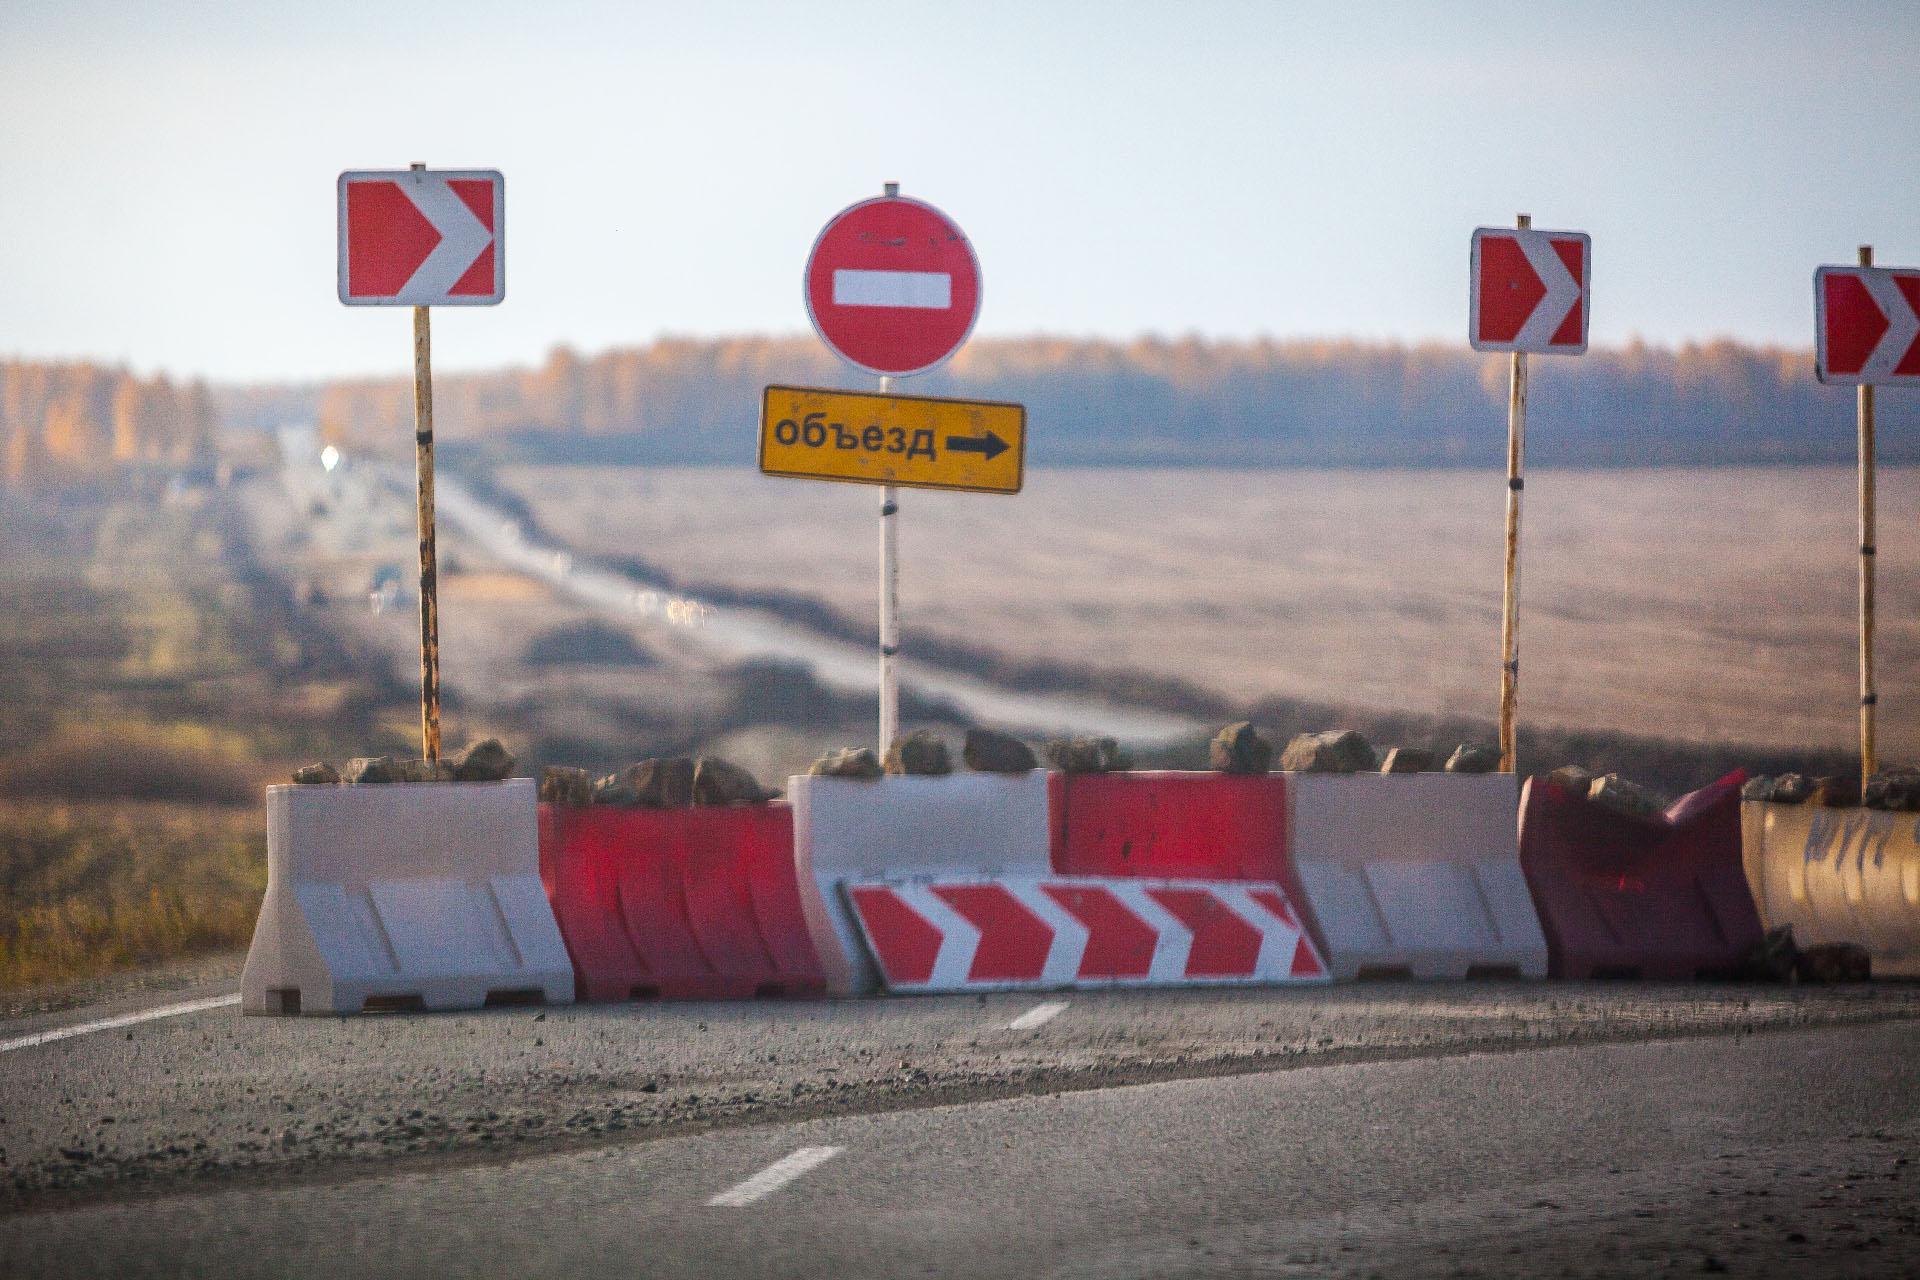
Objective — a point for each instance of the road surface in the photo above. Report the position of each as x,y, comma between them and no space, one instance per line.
1397,1129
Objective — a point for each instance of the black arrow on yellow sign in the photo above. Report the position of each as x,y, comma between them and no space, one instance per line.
989,444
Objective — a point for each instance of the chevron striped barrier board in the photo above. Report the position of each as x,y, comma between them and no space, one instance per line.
1049,933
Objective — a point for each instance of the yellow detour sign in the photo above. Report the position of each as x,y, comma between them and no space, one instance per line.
865,438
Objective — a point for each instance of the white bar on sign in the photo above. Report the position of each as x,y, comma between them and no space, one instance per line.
926,290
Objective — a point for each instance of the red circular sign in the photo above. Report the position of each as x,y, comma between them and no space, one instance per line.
892,286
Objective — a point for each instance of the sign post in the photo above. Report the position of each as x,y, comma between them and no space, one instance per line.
1867,332
423,238
893,288
1529,294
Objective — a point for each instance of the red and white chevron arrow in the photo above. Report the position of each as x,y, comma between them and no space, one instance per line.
973,934
1867,325
422,237
1530,290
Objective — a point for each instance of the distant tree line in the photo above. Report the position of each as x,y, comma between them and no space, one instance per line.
69,421
1154,400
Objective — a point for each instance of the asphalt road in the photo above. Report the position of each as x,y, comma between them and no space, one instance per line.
1783,1153
1394,1128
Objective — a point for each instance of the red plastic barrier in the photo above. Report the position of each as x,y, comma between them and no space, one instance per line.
1625,897
1200,826
681,904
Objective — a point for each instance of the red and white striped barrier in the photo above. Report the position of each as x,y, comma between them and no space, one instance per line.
1032,932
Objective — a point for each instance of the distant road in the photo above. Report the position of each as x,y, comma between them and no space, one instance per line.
749,633
1792,1153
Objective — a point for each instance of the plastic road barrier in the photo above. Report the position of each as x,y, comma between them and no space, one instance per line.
1415,874
1626,897
1016,933
403,897
690,904
1207,826
1838,875
898,827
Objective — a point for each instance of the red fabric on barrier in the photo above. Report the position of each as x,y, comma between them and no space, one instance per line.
1204,826
1633,897
681,904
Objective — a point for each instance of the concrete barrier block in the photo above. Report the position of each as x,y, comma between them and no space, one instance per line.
1838,875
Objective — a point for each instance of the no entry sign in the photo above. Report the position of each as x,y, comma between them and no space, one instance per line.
892,286
422,237
1530,290
1867,325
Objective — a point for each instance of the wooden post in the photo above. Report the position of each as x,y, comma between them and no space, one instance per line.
1868,698
1510,598
429,577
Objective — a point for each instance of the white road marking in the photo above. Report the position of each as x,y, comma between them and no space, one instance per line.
1039,1015
774,1176
124,1020
919,290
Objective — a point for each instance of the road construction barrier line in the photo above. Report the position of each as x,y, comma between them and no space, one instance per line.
118,1021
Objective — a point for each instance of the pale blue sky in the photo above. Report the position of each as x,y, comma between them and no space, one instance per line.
1231,169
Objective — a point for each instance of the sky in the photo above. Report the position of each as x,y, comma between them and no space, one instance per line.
1224,169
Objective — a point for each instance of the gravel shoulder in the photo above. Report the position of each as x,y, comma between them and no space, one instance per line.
215,1095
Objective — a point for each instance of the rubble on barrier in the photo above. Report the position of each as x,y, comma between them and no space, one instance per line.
722,782
989,752
1836,791
1407,760
1572,779
364,769
1470,757
1335,751
1791,788
1239,748
921,754
484,761
1834,962
848,762
318,774
422,771
1894,789
650,784
1087,755
1622,795
564,784
1760,788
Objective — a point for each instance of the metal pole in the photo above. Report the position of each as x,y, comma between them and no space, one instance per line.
429,577
889,608
889,590
1868,698
1510,604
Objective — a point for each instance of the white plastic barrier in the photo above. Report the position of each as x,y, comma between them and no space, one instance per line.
903,827
1838,875
404,897
1415,874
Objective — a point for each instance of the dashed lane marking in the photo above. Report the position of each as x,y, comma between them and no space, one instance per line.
1039,1015
774,1176
124,1020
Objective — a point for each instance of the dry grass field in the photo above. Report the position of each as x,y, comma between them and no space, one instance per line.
1702,605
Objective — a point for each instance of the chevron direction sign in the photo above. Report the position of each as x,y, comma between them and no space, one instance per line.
1867,326
1009,933
1530,290
422,237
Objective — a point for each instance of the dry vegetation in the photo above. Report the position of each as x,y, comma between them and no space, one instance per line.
1703,605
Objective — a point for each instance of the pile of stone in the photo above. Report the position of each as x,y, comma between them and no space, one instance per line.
673,782
924,754
1087,755
1610,791
1776,958
1896,789
484,761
